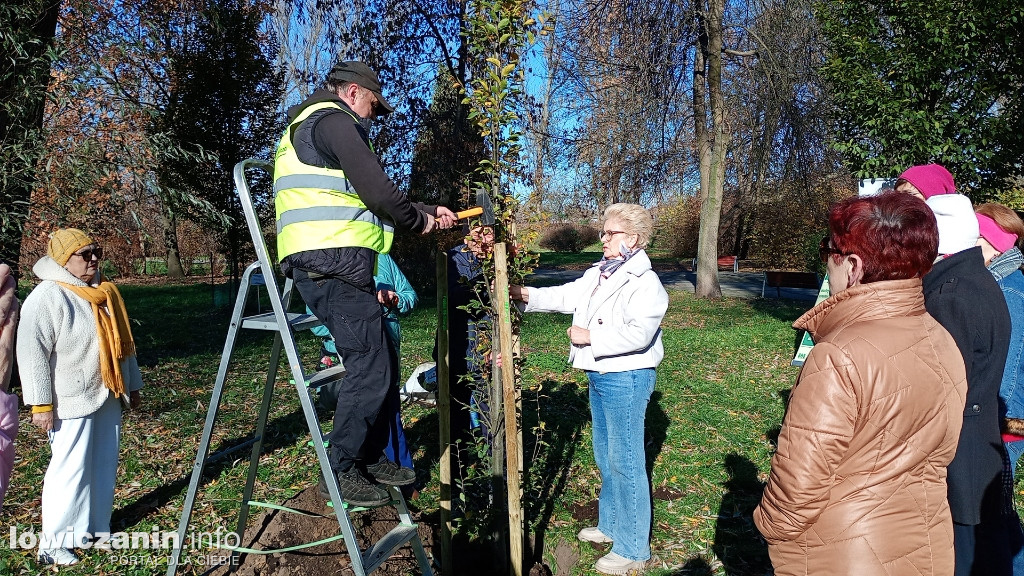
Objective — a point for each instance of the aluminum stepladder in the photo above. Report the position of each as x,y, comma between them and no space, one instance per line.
284,324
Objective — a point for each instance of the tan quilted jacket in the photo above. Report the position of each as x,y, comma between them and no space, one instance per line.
858,483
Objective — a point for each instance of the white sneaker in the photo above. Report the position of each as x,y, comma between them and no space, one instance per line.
612,563
58,556
592,534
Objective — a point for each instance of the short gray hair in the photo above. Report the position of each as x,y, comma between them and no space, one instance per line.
334,86
635,219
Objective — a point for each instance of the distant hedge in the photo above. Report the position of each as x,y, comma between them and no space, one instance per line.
569,237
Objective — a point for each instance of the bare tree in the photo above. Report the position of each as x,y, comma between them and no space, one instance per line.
712,138
312,37
624,69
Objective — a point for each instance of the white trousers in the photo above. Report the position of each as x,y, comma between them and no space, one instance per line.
78,489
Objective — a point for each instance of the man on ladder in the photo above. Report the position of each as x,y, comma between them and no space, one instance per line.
336,210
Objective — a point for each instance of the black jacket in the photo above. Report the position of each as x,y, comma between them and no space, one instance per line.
334,139
464,272
961,294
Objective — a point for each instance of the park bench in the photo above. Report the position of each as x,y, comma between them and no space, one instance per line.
780,279
727,262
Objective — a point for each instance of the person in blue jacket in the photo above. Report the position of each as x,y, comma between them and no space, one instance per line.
1000,230
397,296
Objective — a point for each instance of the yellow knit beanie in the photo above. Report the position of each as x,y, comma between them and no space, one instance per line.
65,242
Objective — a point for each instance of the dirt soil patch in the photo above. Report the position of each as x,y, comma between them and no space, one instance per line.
667,494
274,529
585,512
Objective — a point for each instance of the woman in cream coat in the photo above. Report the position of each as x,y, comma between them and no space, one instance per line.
77,361
617,307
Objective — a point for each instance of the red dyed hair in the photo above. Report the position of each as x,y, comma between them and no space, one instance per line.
894,234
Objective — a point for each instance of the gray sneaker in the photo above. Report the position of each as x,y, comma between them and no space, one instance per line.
592,534
356,490
387,472
612,563
57,556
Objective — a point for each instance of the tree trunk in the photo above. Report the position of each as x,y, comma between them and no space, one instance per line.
712,148
27,71
174,269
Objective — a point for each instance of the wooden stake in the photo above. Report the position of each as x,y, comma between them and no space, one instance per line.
513,439
444,416
495,395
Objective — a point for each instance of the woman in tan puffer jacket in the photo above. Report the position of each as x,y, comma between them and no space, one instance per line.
858,483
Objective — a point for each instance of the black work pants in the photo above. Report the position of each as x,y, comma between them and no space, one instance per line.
356,320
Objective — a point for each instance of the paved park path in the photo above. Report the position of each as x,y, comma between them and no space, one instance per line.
745,285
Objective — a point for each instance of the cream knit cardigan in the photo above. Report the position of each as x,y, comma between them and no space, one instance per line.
58,348
623,315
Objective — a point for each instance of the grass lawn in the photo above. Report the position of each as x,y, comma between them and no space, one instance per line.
717,405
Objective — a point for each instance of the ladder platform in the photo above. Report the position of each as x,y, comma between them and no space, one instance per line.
298,320
377,554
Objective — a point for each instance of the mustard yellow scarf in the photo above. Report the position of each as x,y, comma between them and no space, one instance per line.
115,334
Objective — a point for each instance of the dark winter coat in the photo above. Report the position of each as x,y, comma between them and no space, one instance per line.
962,295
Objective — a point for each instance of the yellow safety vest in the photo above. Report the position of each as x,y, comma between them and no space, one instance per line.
318,207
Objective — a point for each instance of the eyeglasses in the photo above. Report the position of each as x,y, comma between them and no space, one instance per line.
610,233
824,249
88,253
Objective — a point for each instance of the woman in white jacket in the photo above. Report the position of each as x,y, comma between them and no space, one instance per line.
77,361
617,307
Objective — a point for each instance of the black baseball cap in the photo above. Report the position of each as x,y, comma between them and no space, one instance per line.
361,74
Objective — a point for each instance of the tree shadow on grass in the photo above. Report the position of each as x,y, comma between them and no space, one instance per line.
280,432
696,566
738,544
471,553
563,410
655,432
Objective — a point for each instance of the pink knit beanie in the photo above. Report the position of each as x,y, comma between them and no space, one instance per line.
1000,239
930,179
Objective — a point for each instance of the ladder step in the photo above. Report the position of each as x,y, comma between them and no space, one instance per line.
324,377
268,321
384,548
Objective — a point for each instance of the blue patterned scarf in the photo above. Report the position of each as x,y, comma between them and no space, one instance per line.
1006,263
609,266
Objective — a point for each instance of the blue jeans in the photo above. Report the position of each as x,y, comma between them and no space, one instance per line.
396,450
618,405
1014,451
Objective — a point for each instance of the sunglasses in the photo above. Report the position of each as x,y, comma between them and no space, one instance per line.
88,253
825,250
